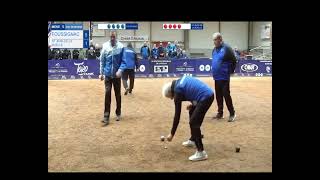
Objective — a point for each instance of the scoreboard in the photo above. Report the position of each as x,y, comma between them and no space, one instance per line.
178,26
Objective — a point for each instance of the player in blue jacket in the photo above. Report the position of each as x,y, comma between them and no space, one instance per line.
223,64
201,97
111,67
131,60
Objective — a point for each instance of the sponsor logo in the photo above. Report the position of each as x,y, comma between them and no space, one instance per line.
57,65
82,69
142,68
249,67
161,69
208,67
185,64
201,67
268,69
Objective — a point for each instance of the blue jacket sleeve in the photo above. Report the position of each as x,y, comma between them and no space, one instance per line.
123,64
177,101
102,61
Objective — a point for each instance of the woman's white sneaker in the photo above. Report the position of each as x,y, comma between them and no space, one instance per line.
199,156
189,143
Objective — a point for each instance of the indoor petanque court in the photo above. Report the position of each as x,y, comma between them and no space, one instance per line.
78,143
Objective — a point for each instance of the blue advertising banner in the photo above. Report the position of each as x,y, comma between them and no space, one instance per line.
87,69
73,69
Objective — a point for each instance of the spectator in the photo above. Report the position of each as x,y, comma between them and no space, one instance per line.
75,54
237,53
178,52
145,51
97,51
161,51
49,53
154,53
91,45
91,53
66,54
174,48
169,49
184,55
57,54
82,54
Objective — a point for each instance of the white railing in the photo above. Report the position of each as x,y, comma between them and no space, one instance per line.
261,52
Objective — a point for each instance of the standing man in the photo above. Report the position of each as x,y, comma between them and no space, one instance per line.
201,96
111,67
154,51
161,51
75,54
145,51
169,49
131,60
223,64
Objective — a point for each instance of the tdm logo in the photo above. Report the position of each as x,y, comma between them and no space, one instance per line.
81,68
249,67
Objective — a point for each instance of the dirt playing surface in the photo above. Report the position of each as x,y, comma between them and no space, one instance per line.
77,142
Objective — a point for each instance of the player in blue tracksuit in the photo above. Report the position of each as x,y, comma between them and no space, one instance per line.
145,51
131,60
111,67
223,64
201,97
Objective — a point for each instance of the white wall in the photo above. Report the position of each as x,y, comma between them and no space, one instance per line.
202,39
143,30
235,34
160,34
256,34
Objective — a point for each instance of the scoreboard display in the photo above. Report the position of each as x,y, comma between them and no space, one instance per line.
179,26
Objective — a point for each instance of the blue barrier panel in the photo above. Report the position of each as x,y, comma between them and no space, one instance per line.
87,69
144,69
254,68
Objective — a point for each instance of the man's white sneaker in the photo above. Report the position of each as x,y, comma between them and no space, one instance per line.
199,156
189,143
